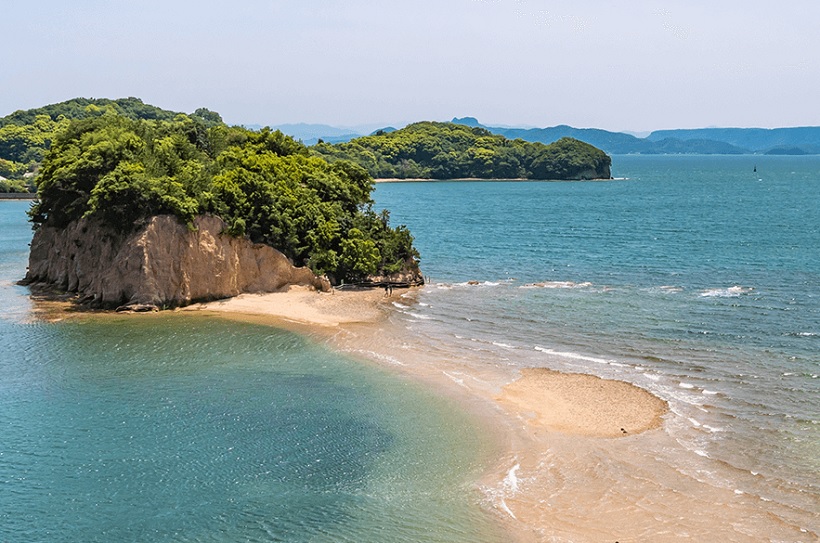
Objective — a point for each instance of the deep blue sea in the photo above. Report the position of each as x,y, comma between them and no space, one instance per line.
697,278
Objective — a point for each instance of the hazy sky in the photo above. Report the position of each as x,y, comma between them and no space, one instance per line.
619,65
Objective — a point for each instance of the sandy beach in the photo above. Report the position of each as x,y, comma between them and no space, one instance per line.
305,306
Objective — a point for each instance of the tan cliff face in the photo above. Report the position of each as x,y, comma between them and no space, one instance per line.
163,264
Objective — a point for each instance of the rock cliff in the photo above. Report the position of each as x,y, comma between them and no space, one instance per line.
163,264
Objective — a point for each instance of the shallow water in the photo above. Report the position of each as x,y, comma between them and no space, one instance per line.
693,277
173,427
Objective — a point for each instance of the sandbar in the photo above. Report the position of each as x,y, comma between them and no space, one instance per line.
582,404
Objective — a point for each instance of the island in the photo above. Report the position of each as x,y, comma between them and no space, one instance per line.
154,213
435,150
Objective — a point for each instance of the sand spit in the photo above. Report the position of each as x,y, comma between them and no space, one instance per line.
303,305
581,404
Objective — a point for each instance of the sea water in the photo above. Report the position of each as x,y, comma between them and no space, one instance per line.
172,427
697,278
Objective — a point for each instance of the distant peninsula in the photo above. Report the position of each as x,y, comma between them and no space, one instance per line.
434,150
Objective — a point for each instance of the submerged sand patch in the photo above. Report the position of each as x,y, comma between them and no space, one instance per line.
581,404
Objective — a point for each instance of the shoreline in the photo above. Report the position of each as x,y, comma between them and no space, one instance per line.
523,413
558,470
17,196
544,398
478,179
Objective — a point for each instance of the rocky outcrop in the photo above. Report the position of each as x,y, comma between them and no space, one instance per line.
163,264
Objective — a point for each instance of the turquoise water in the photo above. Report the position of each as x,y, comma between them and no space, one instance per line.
177,428
694,277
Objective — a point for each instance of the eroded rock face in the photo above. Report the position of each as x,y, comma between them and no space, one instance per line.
163,264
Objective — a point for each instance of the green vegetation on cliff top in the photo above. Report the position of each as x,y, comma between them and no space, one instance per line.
26,135
433,150
265,185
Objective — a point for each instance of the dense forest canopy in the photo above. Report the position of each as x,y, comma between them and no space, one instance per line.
434,150
26,135
123,170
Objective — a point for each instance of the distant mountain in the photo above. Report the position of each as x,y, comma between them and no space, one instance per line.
705,141
724,141
310,134
804,138
616,143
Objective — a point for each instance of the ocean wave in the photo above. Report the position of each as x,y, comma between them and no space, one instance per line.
400,306
731,292
802,334
577,356
670,288
373,355
557,284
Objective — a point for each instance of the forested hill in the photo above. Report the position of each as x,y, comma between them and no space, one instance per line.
435,150
120,172
82,108
26,135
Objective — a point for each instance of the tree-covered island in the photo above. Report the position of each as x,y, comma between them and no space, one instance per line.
120,172
434,150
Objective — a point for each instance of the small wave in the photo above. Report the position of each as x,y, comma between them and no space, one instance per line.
709,392
803,334
476,283
419,316
376,356
557,284
670,288
456,380
498,344
401,306
731,292
511,481
576,356
686,386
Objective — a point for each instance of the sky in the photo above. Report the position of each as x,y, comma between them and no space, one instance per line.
619,65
